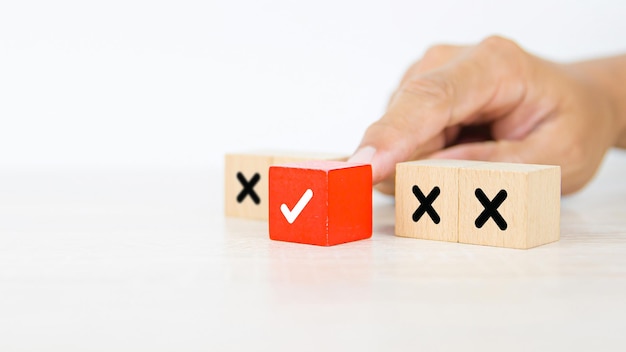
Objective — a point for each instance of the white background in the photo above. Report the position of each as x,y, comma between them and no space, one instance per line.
95,260
180,83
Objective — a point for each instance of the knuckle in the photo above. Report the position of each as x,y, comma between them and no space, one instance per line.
436,52
504,52
435,56
503,48
499,44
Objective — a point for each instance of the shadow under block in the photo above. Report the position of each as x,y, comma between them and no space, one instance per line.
509,205
320,202
427,199
246,180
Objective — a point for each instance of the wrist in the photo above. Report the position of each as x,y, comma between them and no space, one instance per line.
607,77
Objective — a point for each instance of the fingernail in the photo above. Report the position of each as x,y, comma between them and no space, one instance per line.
364,155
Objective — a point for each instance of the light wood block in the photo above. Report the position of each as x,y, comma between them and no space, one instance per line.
529,216
254,205
436,183
248,165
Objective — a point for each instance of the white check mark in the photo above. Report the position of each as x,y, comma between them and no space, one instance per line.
292,215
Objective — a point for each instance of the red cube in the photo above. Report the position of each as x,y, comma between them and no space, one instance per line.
320,202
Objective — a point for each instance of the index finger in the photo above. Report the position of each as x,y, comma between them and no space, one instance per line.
482,82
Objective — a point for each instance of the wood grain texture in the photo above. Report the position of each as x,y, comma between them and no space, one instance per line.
531,209
428,174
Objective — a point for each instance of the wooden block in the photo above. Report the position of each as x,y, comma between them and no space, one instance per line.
294,157
427,199
320,202
245,192
246,180
509,205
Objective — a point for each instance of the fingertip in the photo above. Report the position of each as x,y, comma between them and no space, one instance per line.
368,155
383,166
387,187
363,155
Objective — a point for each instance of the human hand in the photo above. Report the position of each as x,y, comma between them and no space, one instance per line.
494,102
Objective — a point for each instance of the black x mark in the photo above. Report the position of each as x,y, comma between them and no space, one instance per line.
491,209
426,204
248,188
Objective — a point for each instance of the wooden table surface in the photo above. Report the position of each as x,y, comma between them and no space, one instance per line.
129,260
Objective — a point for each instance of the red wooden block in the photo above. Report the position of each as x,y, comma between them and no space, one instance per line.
320,202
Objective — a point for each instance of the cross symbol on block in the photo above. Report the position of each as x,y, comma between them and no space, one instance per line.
248,188
426,204
491,209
